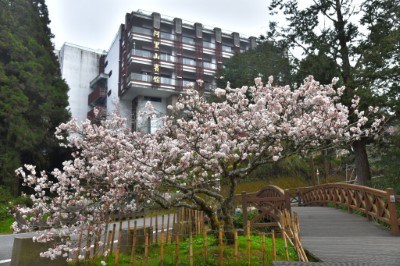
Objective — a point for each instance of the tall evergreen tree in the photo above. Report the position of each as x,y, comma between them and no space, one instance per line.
265,60
33,96
362,40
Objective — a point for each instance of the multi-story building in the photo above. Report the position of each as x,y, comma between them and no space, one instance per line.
154,58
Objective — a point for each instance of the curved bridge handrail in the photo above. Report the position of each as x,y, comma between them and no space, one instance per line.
270,202
374,203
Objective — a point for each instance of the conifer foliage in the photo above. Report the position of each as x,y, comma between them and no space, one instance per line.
33,96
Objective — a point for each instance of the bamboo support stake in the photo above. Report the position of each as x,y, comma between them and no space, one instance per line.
221,248
285,243
205,245
236,251
182,221
273,245
263,248
248,241
112,238
151,225
190,248
162,247
119,243
146,248
168,217
96,242
133,251
156,220
88,242
177,249
174,226
109,240
105,233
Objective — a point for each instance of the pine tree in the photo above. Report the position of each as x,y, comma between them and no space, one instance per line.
33,96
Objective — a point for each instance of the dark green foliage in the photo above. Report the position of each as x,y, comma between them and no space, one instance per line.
358,43
33,97
265,60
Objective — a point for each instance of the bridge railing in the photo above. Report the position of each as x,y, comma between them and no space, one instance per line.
270,201
374,203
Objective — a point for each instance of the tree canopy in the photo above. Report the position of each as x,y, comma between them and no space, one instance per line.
265,60
33,97
362,40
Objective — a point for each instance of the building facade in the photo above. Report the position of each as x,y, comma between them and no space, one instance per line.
154,58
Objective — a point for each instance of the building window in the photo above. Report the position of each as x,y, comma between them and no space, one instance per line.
105,64
110,73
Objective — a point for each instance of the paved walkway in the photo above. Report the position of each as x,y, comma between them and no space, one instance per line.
339,238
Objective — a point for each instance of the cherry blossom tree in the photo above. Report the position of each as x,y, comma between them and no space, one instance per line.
200,143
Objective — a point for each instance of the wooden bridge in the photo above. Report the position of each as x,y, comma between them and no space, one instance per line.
361,226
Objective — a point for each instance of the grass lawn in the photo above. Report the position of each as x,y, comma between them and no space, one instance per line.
213,250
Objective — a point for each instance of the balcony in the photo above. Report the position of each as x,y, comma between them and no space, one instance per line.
139,30
97,96
209,65
188,40
188,61
101,79
140,77
227,49
209,45
167,36
141,53
167,57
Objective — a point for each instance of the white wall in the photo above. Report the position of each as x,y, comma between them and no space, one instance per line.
79,66
156,120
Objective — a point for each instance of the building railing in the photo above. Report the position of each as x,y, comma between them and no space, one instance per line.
188,61
141,77
167,57
141,53
136,29
188,40
209,65
96,95
209,45
226,49
167,36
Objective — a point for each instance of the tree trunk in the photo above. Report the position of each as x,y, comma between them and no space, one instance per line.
363,171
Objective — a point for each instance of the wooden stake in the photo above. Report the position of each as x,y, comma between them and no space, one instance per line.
156,220
205,245
273,245
285,243
112,238
177,250
190,248
263,248
88,242
133,243
119,243
146,248
162,247
221,249
166,241
236,251
248,241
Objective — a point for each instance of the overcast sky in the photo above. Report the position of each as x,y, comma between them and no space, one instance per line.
94,23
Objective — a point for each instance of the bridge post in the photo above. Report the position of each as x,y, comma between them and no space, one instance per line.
391,200
287,200
244,209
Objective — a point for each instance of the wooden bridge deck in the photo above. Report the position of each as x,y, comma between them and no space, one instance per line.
339,238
